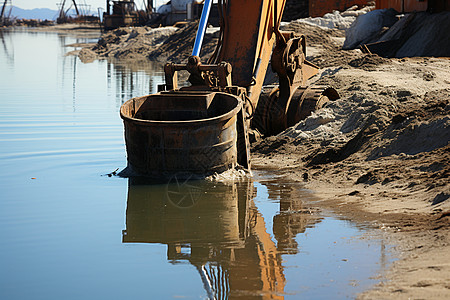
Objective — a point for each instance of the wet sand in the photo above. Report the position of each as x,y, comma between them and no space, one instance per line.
379,154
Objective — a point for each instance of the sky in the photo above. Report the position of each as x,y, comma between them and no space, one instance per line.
52,4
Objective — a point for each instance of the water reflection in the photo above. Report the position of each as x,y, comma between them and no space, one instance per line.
218,229
44,55
127,80
8,48
133,79
290,219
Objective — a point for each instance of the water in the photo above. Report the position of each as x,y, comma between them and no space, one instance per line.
69,231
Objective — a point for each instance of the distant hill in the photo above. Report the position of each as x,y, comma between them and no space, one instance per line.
37,13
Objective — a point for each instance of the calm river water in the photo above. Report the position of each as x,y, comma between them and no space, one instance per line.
69,231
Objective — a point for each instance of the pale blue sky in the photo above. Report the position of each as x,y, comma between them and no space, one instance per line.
30,4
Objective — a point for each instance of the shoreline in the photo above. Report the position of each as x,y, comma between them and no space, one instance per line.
420,240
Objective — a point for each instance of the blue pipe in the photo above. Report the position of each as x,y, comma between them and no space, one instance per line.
202,28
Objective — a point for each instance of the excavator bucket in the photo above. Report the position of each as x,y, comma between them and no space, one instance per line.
182,133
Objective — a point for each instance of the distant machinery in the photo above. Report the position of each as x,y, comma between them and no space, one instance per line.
175,11
5,18
179,10
82,10
121,13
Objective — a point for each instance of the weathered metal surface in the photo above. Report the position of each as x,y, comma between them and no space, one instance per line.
273,116
212,76
311,99
175,133
282,108
248,39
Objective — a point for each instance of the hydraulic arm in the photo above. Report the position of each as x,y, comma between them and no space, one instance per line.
249,39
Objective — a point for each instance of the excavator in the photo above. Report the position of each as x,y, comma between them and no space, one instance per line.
205,126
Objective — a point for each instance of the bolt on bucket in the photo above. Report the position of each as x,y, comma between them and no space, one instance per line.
181,133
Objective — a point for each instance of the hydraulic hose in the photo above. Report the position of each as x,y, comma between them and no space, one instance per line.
202,28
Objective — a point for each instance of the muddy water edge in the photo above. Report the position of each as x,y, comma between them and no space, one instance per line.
72,229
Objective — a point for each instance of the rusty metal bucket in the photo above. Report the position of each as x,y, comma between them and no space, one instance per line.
210,213
181,133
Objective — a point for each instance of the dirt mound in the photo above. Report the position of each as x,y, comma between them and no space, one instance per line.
418,129
145,43
367,62
337,19
128,43
411,131
324,48
178,47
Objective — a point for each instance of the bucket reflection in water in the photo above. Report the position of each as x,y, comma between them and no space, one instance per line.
182,211
217,228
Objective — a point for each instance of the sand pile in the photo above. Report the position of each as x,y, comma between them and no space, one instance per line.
324,48
178,47
128,43
336,19
146,43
